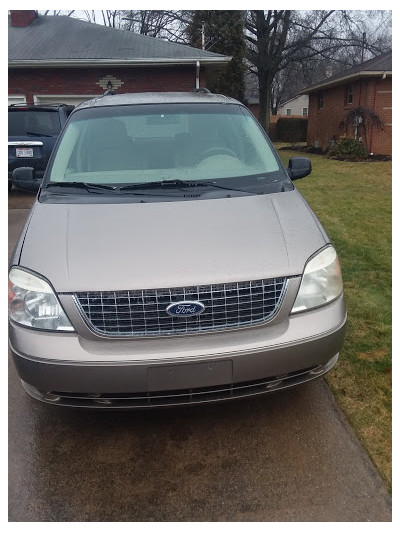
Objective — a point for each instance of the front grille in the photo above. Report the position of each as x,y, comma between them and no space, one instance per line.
143,313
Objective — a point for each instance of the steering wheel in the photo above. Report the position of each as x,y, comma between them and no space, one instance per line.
216,150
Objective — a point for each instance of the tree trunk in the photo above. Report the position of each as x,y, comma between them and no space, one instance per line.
264,99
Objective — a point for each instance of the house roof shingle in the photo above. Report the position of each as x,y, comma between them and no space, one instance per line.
372,67
64,39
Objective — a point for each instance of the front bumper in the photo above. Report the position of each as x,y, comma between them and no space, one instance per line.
70,370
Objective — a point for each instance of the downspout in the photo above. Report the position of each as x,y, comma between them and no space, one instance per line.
197,75
372,126
357,118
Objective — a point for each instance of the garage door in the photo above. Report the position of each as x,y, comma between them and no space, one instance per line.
16,99
61,99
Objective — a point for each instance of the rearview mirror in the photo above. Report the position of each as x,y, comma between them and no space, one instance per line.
25,178
299,167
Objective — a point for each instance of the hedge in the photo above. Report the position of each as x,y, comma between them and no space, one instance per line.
293,129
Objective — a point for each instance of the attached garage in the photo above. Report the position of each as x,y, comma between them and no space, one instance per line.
58,59
16,99
61,99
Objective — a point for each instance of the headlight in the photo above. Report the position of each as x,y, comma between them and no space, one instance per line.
321,282
32,302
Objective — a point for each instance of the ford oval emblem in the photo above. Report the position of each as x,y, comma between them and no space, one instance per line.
185,308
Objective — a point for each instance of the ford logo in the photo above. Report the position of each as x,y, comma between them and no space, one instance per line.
185,308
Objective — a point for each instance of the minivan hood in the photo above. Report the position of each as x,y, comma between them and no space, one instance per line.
89,247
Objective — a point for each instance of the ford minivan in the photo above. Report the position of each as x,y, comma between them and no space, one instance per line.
168,259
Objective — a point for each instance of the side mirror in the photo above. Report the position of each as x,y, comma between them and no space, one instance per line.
299,167
25,178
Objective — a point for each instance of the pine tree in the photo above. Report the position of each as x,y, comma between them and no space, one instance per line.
223,35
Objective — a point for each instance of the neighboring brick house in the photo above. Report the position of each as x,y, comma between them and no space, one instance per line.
366,85
253,105
66,60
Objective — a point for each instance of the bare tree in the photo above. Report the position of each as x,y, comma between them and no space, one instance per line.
168,25
111,18
275,38
58,13
278,40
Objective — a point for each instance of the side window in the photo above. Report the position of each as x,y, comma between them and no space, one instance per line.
288,111
350,94
320,100
305,111
44,122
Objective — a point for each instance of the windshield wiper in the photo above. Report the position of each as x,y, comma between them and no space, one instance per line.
93,187
90,187
161,183
179,183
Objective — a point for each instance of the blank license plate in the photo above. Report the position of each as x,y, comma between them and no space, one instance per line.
24,152
189,376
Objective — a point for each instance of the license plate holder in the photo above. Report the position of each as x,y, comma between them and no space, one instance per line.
189,376
24,152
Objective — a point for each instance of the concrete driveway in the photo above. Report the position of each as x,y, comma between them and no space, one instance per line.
288,456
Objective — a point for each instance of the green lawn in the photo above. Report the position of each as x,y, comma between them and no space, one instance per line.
353,202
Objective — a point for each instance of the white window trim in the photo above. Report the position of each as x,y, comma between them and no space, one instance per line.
57,98
18,97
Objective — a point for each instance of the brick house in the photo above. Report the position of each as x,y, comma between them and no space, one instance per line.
66,60
366,85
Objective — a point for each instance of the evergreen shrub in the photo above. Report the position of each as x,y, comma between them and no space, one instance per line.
292,129
348,148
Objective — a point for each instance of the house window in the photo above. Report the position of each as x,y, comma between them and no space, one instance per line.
288,111
320,100
350,94
305,111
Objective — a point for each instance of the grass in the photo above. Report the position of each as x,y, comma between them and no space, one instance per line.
353,202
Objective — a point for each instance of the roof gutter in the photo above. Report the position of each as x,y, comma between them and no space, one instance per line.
53,63
339,81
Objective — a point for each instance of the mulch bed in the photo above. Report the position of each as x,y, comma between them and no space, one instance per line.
319,151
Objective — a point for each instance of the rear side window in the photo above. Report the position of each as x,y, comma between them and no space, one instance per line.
29,121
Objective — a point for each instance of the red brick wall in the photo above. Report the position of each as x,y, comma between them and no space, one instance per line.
324,124
380,142
255,109
83,81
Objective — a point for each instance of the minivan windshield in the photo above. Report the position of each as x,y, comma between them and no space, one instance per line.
129,146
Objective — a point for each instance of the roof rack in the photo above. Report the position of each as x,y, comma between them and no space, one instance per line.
201,90
24,104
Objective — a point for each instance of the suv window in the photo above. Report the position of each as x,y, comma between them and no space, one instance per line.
26,121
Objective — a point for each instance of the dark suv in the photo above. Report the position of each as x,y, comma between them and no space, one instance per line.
32,132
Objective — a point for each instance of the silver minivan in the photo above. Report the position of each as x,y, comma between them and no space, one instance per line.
168,259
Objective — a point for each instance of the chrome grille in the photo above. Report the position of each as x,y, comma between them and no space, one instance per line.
143,313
